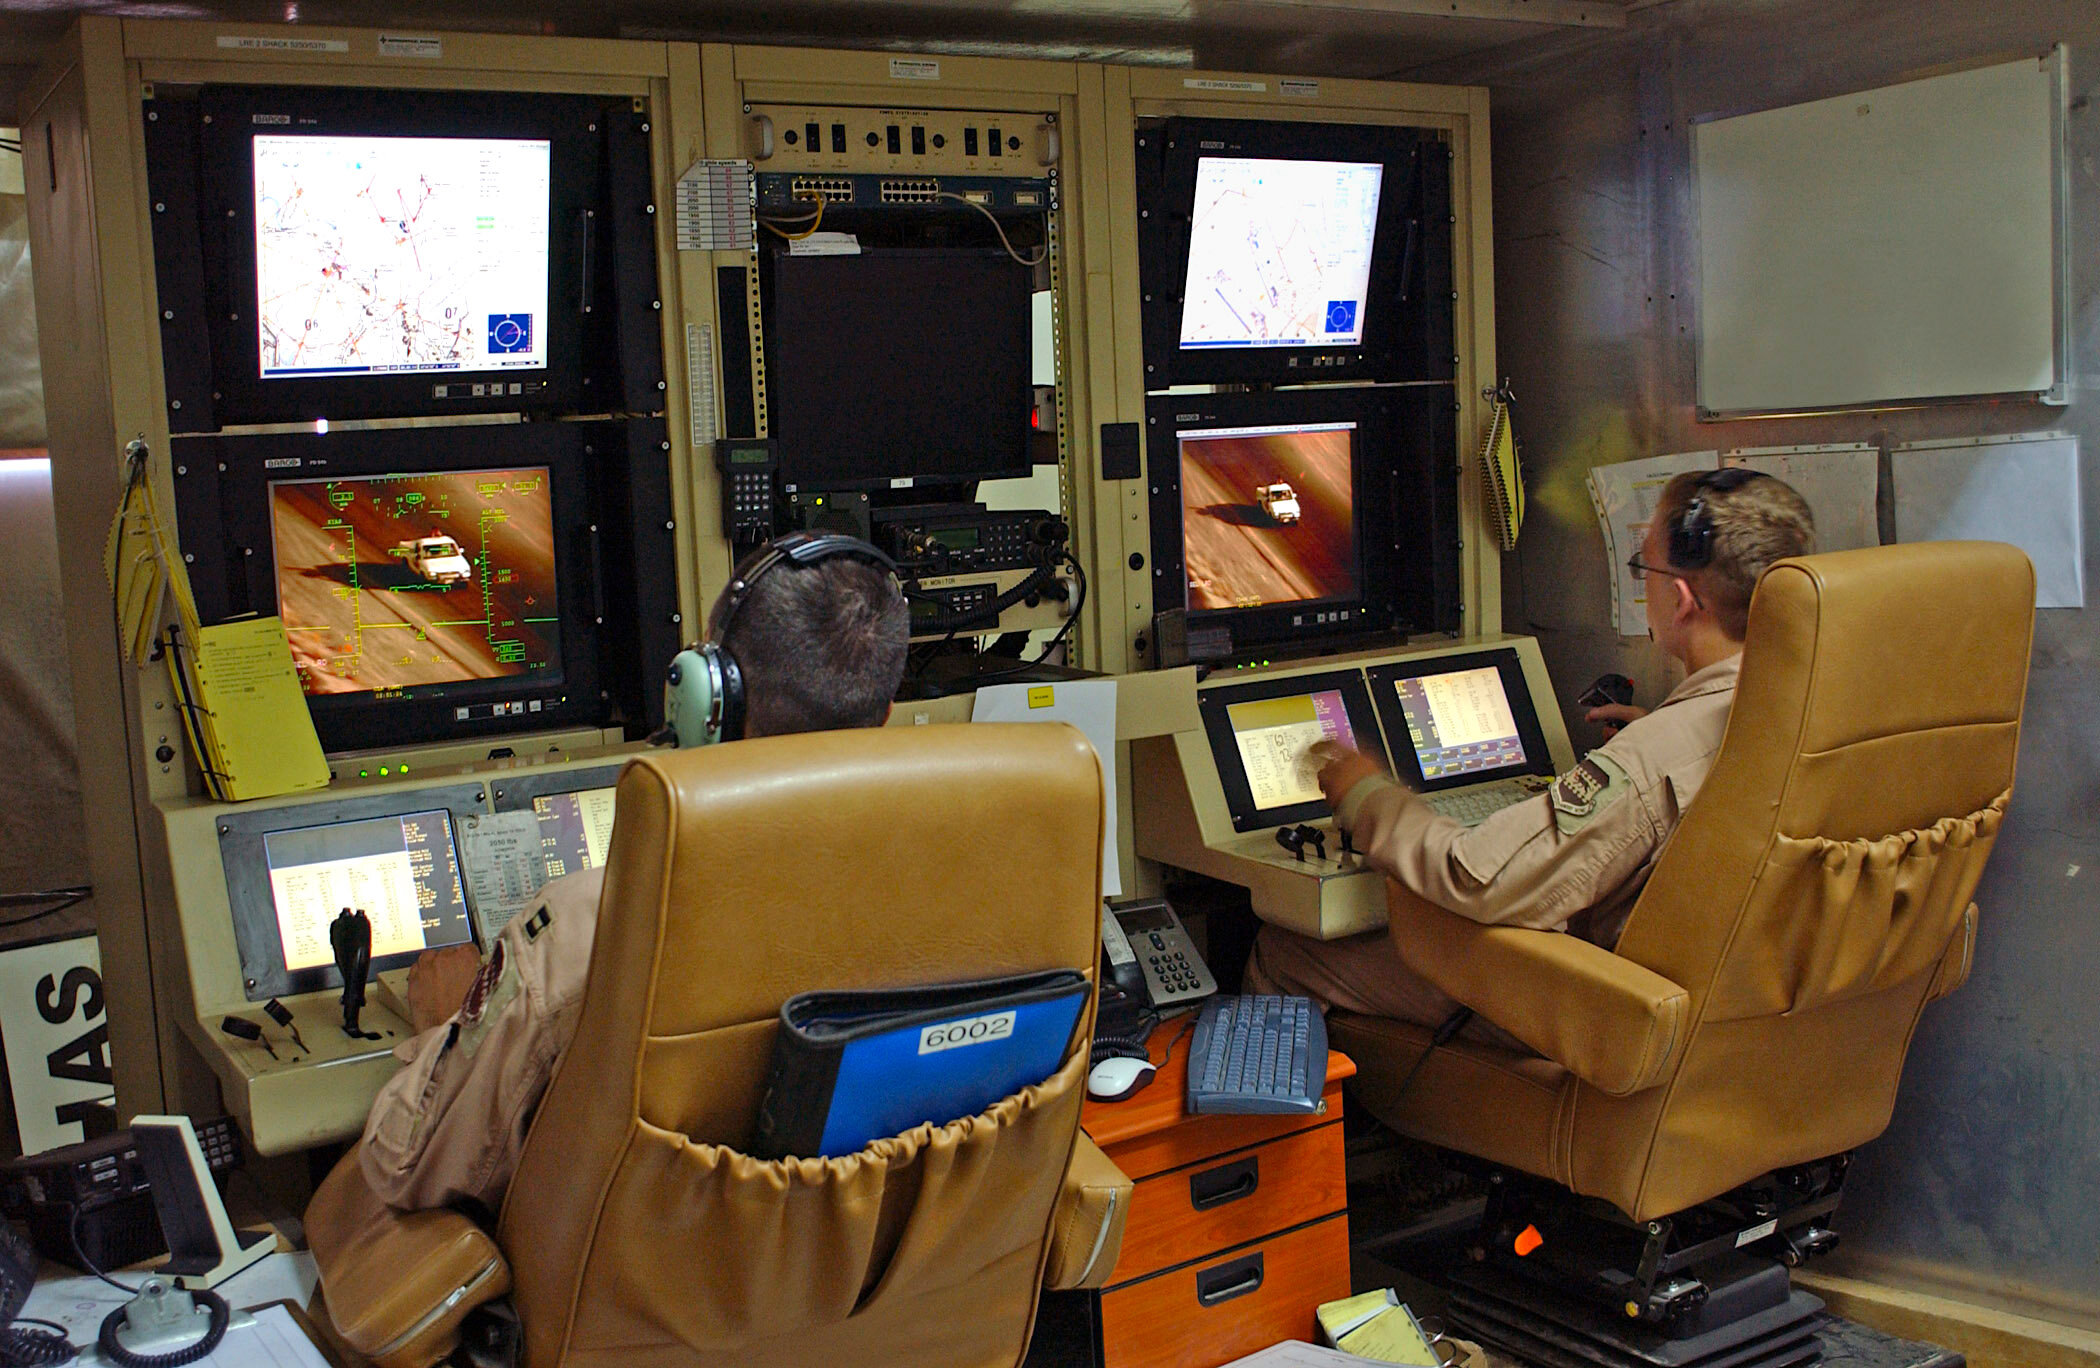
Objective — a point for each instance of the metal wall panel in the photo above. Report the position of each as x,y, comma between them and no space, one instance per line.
1982,1188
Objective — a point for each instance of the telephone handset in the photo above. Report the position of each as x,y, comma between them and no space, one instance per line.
1150,956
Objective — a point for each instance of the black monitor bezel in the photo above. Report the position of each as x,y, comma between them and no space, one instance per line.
235,114
1212,703
253,906
1400,747
1371,410
1405,271
247,582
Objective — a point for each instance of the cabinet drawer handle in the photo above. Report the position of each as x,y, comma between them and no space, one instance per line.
1225,1183
1228,1280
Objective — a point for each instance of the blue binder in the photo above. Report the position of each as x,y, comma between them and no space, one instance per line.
851,1068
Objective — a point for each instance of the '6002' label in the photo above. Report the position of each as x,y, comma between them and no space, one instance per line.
953,1035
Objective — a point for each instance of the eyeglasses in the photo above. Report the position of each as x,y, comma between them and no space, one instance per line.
1637,567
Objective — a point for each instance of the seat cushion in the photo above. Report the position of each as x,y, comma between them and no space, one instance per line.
1502,1106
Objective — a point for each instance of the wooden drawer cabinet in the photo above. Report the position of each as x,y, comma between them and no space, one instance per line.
1217,1309
1238,1228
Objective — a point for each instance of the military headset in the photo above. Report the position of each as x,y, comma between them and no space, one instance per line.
1691,542
704,699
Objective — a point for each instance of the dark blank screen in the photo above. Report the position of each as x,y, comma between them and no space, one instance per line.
901,363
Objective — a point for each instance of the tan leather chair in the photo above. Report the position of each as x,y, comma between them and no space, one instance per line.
635,1232
1815,897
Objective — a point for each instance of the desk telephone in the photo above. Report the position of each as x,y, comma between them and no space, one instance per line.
1148,963
1150,956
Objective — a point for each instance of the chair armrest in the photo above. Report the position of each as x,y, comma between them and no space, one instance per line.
1086,1230
1954,965
1613,1024
397,1283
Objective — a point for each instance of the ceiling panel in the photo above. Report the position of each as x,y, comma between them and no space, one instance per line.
1366,38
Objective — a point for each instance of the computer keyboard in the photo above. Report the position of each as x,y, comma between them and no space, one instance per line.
1257,1054
1475,805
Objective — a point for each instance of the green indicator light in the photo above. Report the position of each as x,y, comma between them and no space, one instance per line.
382,771
364,774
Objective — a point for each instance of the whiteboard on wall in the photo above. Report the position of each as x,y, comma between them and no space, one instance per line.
1898,244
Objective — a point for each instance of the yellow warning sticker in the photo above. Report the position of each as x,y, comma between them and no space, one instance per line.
1042,696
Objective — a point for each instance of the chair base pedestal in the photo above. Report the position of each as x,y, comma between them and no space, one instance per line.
1747,1322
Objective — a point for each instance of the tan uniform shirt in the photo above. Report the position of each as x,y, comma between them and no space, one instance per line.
1575,856
451,1124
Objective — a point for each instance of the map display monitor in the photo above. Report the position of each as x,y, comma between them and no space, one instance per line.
1260,732
400,254
1288,252
1280,253
1268,515
389,583
401,872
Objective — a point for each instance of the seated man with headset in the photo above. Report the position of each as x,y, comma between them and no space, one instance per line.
1576,857
810,635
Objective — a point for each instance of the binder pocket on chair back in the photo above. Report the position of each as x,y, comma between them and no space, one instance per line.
1842,918
716,1248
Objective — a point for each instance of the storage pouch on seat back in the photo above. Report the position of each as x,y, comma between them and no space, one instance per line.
1841,918
750,1249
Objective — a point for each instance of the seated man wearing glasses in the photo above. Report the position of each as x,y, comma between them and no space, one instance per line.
1575,857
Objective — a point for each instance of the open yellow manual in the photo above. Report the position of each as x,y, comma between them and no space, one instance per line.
251,730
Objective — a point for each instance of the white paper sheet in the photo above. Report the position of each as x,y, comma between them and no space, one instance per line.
1624,496
504,866
2022,490
1839,482
1298,1354
1088,704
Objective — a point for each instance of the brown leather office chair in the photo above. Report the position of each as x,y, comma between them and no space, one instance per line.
635,1232
1815,897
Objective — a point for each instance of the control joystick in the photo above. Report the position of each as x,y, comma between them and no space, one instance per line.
350,934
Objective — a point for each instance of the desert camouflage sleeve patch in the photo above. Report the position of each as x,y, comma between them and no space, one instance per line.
1588,789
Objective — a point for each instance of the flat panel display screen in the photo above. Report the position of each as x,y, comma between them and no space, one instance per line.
1260,731
1460,723
396,582
400,254
1274,735
899,365
401,871
1280,252
575,829
1462,719
1268,515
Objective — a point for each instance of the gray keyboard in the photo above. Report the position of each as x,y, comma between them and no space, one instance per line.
1254,1054
1475,805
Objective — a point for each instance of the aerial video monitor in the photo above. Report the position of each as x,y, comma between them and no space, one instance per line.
431,577
395,252
1259,732
1293,252
435,583
1268,515
1458,720
1276,514
291,870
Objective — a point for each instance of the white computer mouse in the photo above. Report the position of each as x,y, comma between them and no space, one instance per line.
1112,1080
